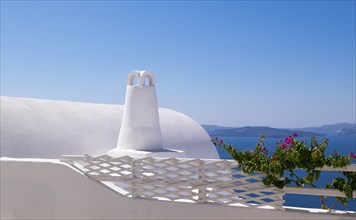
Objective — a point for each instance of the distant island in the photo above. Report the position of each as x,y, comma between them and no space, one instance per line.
341,129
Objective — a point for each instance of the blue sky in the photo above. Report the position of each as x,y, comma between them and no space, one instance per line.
232,63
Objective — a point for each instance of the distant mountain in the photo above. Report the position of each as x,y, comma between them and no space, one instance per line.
346,132
249,131
209,128
341,129
333,129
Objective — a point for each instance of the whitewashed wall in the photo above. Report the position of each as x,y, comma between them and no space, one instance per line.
48,189
48,129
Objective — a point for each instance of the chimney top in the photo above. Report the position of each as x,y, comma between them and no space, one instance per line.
141,75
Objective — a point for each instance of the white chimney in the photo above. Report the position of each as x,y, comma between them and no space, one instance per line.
140,133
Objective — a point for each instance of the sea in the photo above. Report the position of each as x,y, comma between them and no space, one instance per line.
342,144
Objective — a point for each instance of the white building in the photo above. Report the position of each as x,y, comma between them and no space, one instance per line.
35,184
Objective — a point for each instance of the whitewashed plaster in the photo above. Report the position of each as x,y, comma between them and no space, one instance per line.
37,128
48,189
140,128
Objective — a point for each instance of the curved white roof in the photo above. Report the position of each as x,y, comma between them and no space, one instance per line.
49,129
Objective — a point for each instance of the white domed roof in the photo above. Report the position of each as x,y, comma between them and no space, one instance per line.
49,129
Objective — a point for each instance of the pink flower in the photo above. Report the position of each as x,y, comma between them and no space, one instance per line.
353,155
288,140
284,146
295,135
222,141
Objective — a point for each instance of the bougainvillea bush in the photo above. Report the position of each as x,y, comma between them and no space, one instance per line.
280,166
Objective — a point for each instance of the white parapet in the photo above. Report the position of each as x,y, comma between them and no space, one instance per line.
140,133
49,189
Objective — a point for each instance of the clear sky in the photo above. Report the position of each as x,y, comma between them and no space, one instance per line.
233,63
